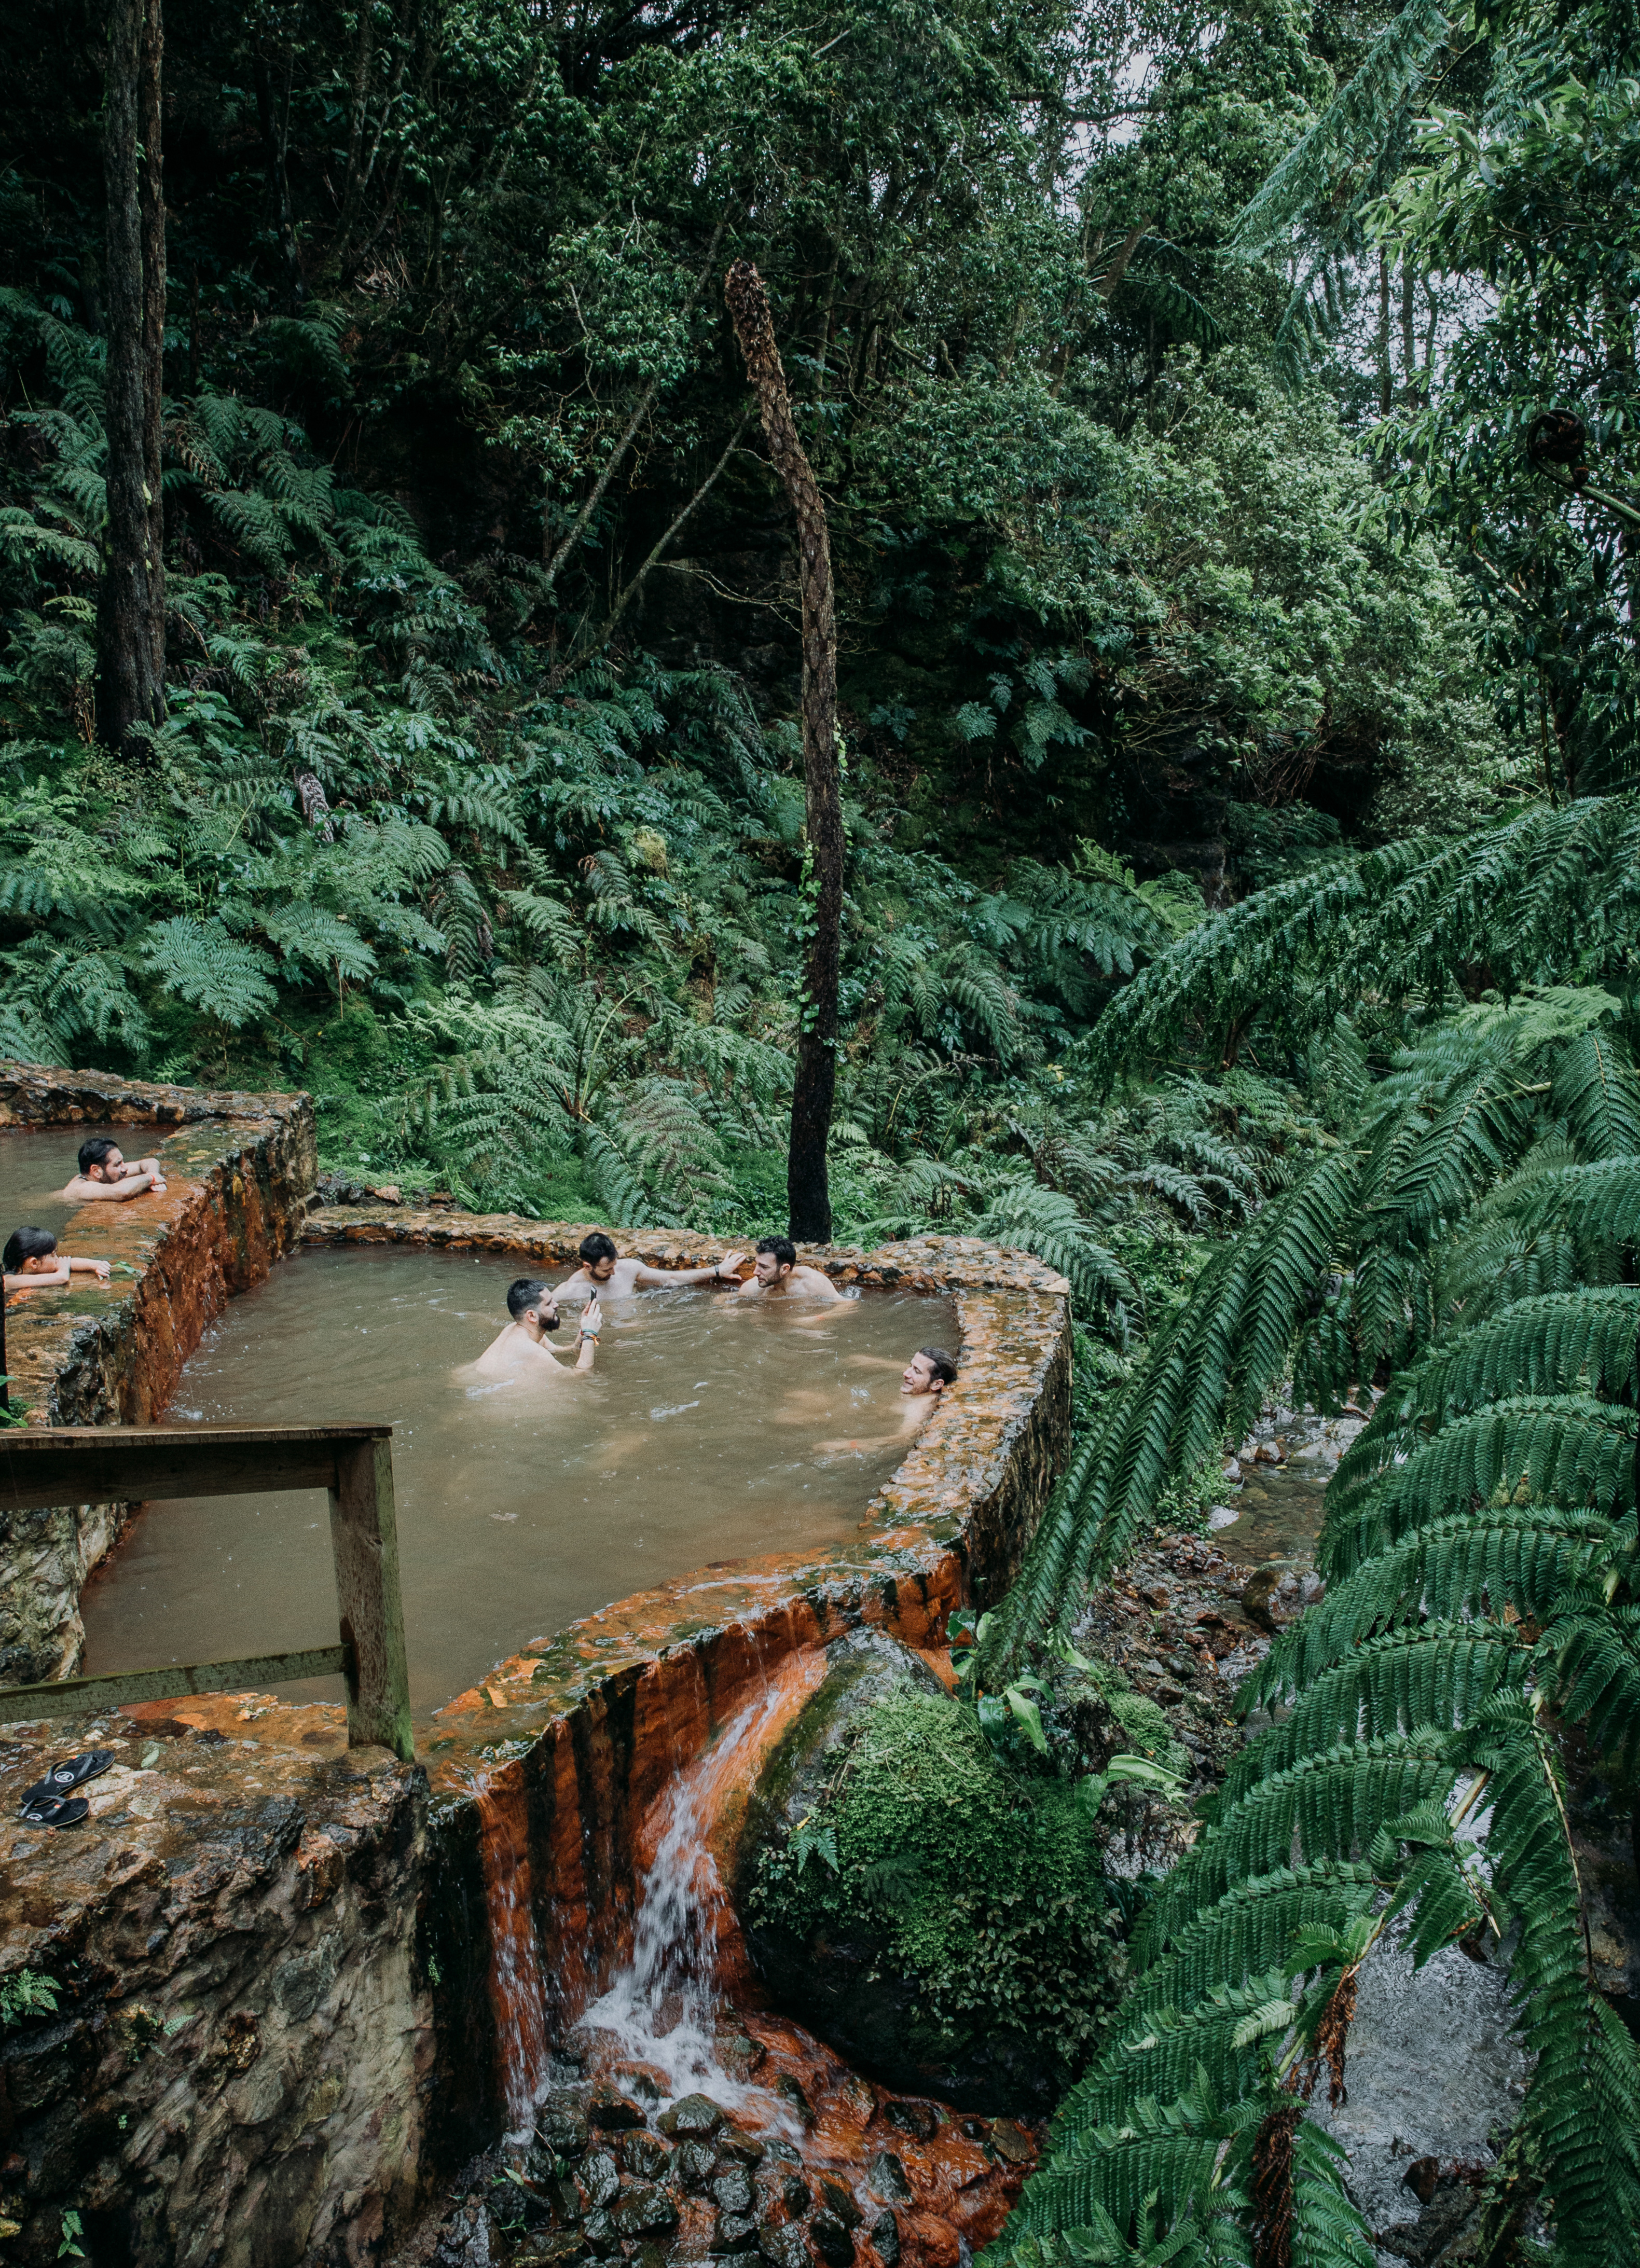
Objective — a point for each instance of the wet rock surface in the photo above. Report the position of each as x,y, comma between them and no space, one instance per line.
241,2039
866,2179
848,1987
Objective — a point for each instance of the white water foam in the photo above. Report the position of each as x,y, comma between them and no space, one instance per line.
662,2010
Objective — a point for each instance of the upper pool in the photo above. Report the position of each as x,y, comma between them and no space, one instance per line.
34,1165
697,1439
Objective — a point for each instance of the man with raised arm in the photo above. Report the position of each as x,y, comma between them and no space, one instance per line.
103,1176
521,1350
602,1269
779,1277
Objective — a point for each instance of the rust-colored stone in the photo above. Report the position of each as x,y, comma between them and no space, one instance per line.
239,1170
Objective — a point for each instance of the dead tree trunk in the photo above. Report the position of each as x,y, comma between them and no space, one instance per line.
131,603
807,1190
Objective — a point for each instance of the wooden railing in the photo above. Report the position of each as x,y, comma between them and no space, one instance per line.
100,1464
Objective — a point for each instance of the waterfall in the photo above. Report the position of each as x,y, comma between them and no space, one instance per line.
663,2008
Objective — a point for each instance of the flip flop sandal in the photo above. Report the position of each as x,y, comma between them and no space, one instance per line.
55,1811
63,1778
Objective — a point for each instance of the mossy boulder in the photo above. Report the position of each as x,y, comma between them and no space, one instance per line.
938,1916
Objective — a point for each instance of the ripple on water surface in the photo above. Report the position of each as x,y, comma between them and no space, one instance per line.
700,1438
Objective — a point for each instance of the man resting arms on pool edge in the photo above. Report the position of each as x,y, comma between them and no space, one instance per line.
103,1175
522,1348
602,1269
777,1274
923,1380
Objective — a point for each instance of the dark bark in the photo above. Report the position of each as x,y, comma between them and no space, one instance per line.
273,115
129,675
807,1185
151,124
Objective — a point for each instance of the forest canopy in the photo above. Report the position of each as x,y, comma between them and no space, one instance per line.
1206,440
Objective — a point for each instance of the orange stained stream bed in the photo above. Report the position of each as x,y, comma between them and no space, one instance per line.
713,1429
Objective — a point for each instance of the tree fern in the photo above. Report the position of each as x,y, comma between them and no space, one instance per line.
1472,1223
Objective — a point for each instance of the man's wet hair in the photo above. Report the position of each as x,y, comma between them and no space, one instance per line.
942,1365
97,1152
598,1247
784,1250
26,1244
530,1291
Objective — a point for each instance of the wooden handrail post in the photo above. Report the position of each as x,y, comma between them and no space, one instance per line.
364,1538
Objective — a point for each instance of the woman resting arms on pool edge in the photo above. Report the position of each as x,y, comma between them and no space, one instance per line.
32,1262
521,1349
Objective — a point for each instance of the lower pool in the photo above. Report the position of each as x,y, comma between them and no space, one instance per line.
713,1429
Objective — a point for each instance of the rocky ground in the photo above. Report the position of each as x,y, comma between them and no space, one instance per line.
801,2164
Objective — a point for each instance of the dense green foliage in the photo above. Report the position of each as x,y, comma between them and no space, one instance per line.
486,829
979,1884
1238,684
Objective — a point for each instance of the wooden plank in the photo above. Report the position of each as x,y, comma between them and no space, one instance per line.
364,1538
99,1464
78,1697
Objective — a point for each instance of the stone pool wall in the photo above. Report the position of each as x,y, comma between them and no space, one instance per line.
283,2016
239,1169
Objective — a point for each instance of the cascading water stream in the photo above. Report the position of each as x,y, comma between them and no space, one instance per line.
662,2009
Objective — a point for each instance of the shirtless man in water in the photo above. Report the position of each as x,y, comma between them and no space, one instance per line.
521,1350
923,1380
103,1176
602,1269
779,1277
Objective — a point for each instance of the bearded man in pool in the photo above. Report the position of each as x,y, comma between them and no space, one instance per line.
602,1269
922,1383
778,1276
521,1350
103,1177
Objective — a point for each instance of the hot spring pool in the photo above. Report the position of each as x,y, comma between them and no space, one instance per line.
519,1507
35,1163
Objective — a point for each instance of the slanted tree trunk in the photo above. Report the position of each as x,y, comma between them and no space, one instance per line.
807,1190
153,330
131,603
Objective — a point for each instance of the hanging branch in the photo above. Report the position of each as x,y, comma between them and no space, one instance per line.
685,513
645,401
807,1190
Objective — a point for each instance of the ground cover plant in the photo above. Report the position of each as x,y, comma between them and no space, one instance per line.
1224,423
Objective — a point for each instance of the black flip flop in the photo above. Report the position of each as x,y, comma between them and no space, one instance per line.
55,1811
63,1778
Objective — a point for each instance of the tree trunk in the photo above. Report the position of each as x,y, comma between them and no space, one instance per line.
129,672
1386,384
151,125
807,1186
273,115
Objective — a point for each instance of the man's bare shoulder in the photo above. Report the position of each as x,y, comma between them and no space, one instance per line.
815,1282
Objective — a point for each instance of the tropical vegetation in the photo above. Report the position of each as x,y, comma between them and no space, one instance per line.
1224,426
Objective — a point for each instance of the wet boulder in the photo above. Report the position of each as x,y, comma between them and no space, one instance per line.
888,1873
